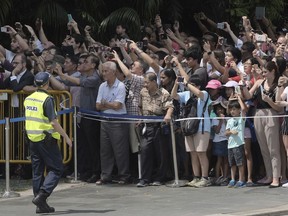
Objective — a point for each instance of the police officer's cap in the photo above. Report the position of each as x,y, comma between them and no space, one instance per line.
41,78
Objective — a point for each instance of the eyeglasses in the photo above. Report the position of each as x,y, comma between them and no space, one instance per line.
247,64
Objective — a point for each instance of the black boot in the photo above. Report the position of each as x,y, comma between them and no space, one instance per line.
40,202
40,211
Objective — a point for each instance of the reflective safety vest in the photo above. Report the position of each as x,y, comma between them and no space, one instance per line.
36,123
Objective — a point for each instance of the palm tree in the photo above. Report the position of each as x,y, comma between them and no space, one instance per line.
103,15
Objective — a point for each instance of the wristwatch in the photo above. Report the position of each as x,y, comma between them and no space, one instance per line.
209,53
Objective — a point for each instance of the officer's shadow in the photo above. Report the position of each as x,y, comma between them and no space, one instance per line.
86,211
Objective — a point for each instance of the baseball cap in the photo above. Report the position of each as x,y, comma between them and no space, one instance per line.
231,83
41,78
214,84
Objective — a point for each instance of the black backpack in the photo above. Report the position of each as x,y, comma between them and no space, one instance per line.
190,127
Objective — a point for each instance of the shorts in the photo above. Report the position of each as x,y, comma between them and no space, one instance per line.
220,148
198,142
236,156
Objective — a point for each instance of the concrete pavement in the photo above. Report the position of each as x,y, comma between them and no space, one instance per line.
125,200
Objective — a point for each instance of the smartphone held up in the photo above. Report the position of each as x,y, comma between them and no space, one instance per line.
4,29
180,79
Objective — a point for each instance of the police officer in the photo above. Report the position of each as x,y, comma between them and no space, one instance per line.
43,131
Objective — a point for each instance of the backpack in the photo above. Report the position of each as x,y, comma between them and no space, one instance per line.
190,127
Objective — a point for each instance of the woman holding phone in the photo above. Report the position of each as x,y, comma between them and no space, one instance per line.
263,93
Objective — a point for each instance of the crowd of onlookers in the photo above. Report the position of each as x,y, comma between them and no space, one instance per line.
238,79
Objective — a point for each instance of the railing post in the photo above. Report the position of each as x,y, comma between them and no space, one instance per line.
176,182
75,180
8,193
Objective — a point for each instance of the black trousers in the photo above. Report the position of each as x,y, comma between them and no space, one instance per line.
49,155
154,154
89,147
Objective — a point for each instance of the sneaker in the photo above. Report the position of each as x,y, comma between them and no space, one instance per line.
250,184
123,181
240,184
156,183
103,182
285,185
218,181
225,182
231,183
193,182
93,178
142,183
202,183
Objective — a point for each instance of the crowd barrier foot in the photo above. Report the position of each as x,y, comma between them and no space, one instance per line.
10,194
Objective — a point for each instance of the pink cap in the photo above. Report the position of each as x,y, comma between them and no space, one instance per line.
214,84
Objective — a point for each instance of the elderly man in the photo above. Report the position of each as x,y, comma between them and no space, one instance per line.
154,101
114,136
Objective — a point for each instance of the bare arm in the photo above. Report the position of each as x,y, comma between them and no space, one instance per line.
174,94
2,50
41,33
122,44
56,84
269,28
231,33
202,27
167,117
104,105
65,76
145,57
21,41
180,68
30,88
124,69
153,48
57,127
248,94
172,36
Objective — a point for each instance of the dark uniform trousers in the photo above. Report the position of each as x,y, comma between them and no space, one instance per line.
154,154
49,155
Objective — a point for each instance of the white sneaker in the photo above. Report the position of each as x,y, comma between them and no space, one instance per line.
202,183
193,182
285,185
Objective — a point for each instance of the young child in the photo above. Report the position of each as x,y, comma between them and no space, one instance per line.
220,143
235,132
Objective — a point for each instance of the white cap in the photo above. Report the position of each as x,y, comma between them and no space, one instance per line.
231,83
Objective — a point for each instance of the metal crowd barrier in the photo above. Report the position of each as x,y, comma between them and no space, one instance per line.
18,145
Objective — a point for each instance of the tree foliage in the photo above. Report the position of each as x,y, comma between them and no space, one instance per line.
104,15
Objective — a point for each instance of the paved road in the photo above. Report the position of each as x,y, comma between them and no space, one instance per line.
115,200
